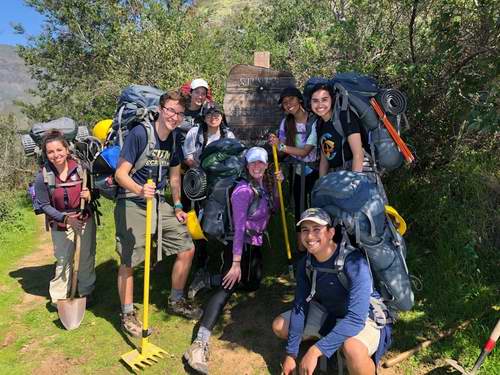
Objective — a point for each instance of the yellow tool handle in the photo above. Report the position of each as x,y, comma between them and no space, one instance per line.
147,262
282,205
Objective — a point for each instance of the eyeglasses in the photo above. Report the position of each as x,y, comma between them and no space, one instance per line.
172,112
214,114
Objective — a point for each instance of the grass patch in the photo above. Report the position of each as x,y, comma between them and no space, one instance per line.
451,239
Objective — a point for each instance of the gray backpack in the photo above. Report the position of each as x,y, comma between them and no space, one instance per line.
137,106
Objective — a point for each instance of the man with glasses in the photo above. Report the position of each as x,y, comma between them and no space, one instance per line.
130,210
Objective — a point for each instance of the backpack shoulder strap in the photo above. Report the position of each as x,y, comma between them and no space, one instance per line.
344,248
49,178
199,137
151,143
311,121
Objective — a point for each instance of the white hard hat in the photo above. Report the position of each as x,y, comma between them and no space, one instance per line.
198,82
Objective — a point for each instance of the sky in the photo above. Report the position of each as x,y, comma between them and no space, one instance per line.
16,11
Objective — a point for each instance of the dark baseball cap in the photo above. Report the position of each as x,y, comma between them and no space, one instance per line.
291,91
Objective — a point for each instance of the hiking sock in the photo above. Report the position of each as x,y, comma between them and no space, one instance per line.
176,294
128,308
203,335
215,280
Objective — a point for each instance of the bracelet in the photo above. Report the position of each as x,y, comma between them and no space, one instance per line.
236,261
178,205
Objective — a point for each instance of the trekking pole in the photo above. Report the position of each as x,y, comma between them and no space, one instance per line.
149,353
393,133
283,213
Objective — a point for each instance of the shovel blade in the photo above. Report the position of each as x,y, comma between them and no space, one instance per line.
71,312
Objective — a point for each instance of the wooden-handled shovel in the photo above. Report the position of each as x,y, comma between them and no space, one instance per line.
71,310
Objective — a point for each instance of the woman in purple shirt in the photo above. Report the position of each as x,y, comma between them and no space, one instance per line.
252,202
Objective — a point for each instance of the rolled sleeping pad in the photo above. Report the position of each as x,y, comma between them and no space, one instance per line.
393,101
195,184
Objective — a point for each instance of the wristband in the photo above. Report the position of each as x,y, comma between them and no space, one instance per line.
281,147
178,205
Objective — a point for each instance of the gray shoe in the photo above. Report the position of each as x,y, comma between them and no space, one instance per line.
183,308
197,356
200,281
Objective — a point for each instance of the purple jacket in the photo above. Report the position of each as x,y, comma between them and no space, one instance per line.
248,229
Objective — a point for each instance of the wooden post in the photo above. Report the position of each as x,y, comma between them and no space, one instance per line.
262,59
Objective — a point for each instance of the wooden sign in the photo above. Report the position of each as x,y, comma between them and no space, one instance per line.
251,100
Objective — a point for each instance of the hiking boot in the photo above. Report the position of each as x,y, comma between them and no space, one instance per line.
131,324
183,308
197,356
200,281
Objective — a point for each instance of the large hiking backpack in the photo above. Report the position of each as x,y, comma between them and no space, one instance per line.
354,202
32,141
222,158
354,92
137,105
217,219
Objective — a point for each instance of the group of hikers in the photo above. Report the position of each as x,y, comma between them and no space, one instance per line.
337,315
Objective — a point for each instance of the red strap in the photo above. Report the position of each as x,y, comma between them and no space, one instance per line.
490,344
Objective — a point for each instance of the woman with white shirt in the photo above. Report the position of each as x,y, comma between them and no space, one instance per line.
212,129
297,138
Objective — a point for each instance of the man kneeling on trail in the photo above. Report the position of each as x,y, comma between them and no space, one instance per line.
323,309
130,210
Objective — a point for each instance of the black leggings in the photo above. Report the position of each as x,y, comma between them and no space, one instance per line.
309,183
251,276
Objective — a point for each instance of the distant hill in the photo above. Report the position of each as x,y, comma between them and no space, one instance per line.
14,82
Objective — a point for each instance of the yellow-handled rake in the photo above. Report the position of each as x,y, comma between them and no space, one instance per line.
283,214
149,353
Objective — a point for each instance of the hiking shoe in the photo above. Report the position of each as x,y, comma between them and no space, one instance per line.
200,281
197,356
183,308
131,324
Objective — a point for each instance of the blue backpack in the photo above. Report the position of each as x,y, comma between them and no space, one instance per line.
355,204
354,92
137,105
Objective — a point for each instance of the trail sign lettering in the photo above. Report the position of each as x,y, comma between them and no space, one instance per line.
251,100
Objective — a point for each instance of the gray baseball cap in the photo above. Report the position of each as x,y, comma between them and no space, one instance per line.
317,215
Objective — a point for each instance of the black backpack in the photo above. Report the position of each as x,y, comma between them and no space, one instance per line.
217,219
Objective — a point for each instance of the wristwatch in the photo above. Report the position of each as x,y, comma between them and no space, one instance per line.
281,147
178,205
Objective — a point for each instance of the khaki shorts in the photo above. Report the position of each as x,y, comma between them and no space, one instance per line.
316,316
130,222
